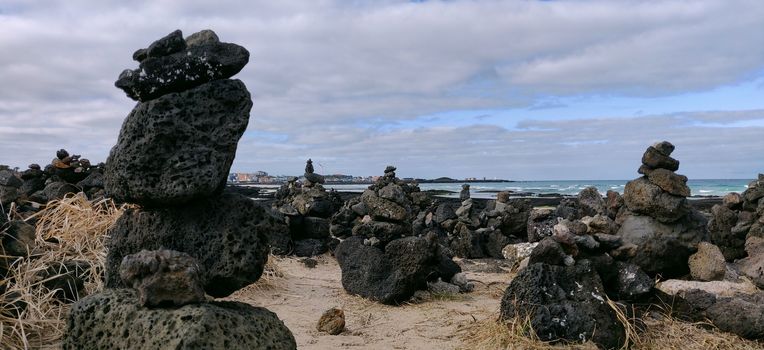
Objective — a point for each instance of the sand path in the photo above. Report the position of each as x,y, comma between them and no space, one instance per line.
303,294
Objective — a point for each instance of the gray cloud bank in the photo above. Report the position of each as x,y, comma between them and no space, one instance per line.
326,74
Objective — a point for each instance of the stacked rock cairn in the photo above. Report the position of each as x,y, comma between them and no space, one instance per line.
187,237
306,207
659,228
590,249
380,257
32,188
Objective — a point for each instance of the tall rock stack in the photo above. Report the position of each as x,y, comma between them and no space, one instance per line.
660,230
172,158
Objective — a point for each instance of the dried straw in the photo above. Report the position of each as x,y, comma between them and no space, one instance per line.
661,332
71,229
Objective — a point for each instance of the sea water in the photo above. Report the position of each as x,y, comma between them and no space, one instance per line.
704,187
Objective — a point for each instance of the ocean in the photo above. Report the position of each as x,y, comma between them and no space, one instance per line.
706,187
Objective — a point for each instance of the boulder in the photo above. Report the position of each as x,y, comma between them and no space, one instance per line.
394,193
707,264
631,283
540,224
460,280
733,200
513,217
723,231
66,279
163,277
676,288
444,212
309,227
741,314
227,235
548,251
563,303
663,248
383,231
614,202
600,224
94,180
514,253
570,209
754,192
467,243
753,265
17,238
171,67
178,148
670,182
332,321
114,319
8,178
59,190
442,288
310,247
392,275
8,194
643,197
654,159
664,147
591,202
383,209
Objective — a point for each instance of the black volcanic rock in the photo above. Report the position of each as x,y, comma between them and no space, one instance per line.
178,147
663,248
169,65
644,197
392,275
655,159
226,234
113,319
563,303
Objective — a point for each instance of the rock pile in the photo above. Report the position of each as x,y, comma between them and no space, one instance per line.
306,208
172,158
591,248
380,257
728,274
739,217
475,232
31,188
659,229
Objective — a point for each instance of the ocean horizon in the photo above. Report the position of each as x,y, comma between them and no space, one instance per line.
698,187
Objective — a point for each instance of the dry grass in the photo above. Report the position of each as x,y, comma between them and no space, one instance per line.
72,229
491,334
660,332
666,332
271,279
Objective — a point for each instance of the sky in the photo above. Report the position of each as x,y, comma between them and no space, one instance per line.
524,90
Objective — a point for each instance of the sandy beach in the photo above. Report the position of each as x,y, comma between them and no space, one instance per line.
303,294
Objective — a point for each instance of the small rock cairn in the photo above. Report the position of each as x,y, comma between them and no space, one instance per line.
306,207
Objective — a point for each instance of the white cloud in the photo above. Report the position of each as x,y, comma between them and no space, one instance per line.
320,69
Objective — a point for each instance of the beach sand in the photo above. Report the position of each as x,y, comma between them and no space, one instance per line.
302,294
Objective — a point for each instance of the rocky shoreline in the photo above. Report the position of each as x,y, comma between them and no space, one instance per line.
186,239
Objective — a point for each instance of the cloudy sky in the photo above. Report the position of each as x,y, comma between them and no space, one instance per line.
508,89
